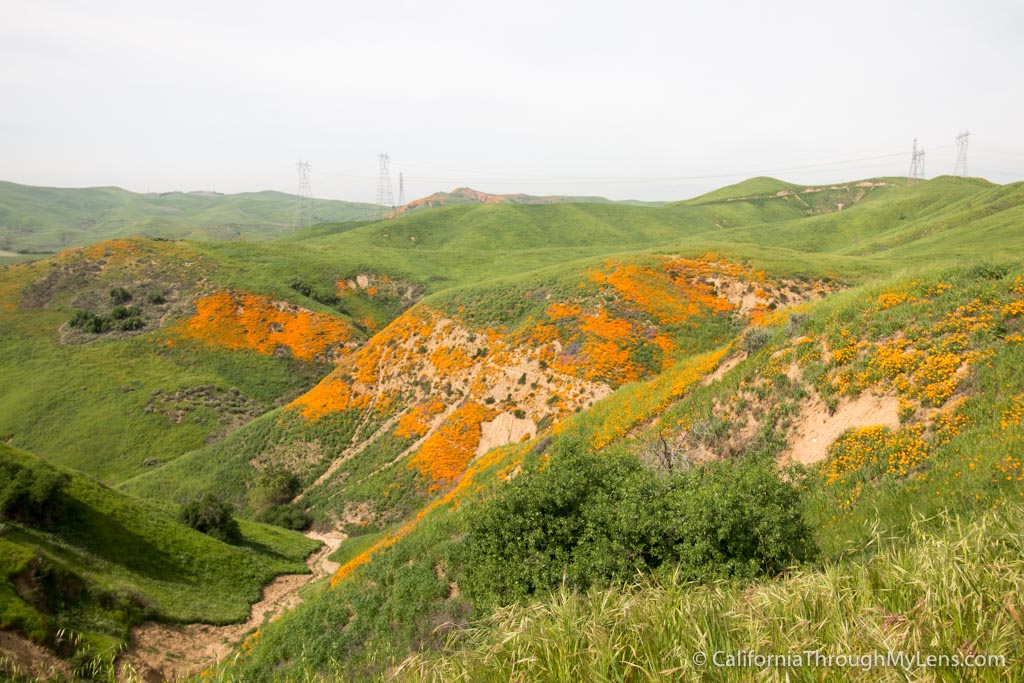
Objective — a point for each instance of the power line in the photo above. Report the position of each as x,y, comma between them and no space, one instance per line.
305,213
960,168
385,195
916,172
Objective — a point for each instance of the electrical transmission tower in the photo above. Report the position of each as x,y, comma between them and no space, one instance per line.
916,164
305,215
401,189
385,195
961,154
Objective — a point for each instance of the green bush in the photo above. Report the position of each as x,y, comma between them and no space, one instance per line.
131,324
271,495
90,322
31,493
212,516
287,516
591,519
314,293
122,312
273,486
120,295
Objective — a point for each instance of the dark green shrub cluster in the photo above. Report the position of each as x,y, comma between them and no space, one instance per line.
212,516
90,322
308,290
271,495
121,318
31,493
127,318
120,295
287,516
987,270
590,519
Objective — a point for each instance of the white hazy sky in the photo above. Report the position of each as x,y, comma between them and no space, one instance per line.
645,99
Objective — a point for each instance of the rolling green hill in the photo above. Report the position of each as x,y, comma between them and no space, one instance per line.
46,219
96,562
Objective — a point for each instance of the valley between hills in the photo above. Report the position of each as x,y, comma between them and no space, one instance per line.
503,437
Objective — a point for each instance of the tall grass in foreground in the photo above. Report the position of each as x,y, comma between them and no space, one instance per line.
960,591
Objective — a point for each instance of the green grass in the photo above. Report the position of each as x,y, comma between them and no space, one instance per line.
110,561
53,394
353,546
946,592
50,219
52,397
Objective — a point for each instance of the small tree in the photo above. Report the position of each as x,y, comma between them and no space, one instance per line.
31,493
212,516
274,486
271,495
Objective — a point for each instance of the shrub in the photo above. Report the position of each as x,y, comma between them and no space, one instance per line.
120,295
274,486
31,493
271,495
131,324
754,339
287,516
156,298
122,312
210,515
90,322
797,322
308,290
589,519
987,271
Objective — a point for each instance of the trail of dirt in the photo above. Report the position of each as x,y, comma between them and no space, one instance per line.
723,368
171,652
20,655
351,452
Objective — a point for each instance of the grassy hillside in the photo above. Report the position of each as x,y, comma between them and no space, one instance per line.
646,631
465,382
444,374
152,371
880,500
94,562
41,219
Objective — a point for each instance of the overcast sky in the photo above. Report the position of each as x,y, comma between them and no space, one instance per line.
642,99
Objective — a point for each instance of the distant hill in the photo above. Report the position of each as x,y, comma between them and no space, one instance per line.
813,198
45,219
467,195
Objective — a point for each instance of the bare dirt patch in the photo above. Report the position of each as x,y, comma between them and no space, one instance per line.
814,428
503,429
21,656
